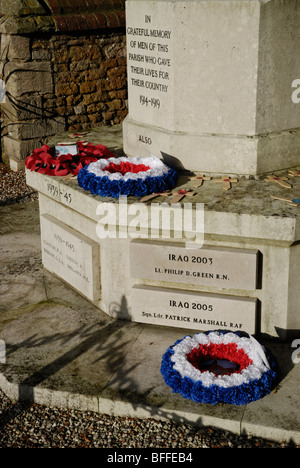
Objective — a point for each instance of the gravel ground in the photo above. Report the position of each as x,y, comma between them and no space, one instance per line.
35,426
13,187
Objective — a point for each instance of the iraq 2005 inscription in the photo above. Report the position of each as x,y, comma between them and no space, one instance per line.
192,310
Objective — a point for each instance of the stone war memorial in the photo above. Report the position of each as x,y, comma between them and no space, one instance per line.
191,218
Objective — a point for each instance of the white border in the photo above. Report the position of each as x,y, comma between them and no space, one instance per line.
157,168
207,378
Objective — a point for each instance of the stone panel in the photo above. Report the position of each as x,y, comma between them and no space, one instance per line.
71,256
196,311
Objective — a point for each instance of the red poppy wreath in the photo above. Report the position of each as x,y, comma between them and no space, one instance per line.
45,161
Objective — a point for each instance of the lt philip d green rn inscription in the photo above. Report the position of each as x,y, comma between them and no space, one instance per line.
207,266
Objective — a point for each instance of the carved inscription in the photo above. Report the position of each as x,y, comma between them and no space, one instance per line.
193,310
71,256
149,64
208,266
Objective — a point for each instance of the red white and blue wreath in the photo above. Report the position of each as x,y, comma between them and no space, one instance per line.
127,176
219,366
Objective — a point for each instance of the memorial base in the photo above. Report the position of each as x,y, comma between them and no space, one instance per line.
257,154
243,278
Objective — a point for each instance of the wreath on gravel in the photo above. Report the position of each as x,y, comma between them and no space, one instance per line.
219,366
127,176
45,161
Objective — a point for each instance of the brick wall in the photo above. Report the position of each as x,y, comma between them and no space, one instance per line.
58,82
64,67
89,78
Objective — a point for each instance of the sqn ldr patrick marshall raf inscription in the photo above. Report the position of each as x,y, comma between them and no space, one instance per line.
208,266
192,310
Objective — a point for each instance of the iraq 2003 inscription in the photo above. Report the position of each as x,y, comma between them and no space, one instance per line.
226,268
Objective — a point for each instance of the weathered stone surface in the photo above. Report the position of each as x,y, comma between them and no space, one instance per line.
71,256
23,108
35,129
32,77
197,311
21,7
19,149
26,24
205,266
14,47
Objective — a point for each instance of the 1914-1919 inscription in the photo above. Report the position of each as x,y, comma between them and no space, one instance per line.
209,266
149,45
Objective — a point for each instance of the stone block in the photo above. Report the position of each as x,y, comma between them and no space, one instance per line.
196,311
210,83
15,47
31,77
21,7
23,107
71,256
26,24
66,89
18,150
35,129
16,165
200,266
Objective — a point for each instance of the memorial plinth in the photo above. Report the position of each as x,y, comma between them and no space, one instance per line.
210,84
210,91
244,277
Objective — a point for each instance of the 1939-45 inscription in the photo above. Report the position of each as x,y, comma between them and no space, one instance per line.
71,256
